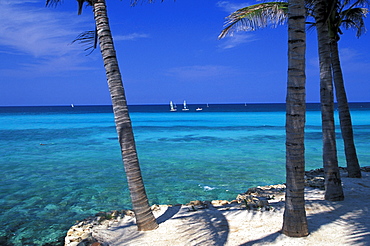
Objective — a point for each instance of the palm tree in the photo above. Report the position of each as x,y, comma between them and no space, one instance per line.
144,217
351,17
295,221
333,184
259,15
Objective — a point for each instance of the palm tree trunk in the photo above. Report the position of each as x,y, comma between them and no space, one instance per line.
333,184
353,167
295,221
144,216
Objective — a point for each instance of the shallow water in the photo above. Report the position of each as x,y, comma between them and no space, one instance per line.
62,164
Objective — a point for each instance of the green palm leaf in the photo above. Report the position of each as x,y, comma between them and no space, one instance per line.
256,16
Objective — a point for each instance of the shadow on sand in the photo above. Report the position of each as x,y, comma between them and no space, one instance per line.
168,214
351,212
210,226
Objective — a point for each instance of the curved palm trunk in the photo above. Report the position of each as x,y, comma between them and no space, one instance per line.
144,216
295,221
353,167
333,184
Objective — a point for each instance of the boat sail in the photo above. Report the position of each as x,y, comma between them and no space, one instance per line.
185,108
172,108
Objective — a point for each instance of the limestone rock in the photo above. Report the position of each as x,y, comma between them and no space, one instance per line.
197,204
253,202
80,234
365,169
220,202
315,182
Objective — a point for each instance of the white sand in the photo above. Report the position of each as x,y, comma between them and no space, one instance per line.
330,223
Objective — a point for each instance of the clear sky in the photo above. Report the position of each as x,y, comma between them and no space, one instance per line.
166,51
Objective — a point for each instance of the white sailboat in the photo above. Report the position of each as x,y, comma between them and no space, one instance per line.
172,108
185,108
199,109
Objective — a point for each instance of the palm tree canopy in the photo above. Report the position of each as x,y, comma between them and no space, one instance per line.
352,18
275,13
343,13
256,16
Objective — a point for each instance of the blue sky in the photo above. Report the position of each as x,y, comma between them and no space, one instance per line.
166,51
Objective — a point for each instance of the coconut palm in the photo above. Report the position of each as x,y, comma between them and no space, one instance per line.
144,217
295,222
333,188
274,13
347,15
333,184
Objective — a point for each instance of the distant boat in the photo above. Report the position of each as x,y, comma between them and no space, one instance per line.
72,105
198,109
207,105
172,108
185,108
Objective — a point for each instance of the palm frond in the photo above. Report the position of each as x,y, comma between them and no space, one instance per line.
52,2
256,16
354,18
358,3
89,39
81,4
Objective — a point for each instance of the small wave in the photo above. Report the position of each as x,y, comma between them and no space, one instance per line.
206,187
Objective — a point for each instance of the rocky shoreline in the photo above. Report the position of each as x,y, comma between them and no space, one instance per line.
260,198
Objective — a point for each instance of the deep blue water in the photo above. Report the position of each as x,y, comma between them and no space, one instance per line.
62,164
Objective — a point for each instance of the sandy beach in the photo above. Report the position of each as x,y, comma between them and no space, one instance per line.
229,223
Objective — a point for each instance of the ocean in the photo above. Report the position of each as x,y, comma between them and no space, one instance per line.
61,164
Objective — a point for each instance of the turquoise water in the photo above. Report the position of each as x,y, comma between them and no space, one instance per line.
62,164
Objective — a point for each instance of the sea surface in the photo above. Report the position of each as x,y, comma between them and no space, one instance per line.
63,164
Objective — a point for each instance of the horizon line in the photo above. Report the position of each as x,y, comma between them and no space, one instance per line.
158,104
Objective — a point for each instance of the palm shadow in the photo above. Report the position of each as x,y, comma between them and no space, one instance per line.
350,212
210,226
266,240
168,214
197,227
202,227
